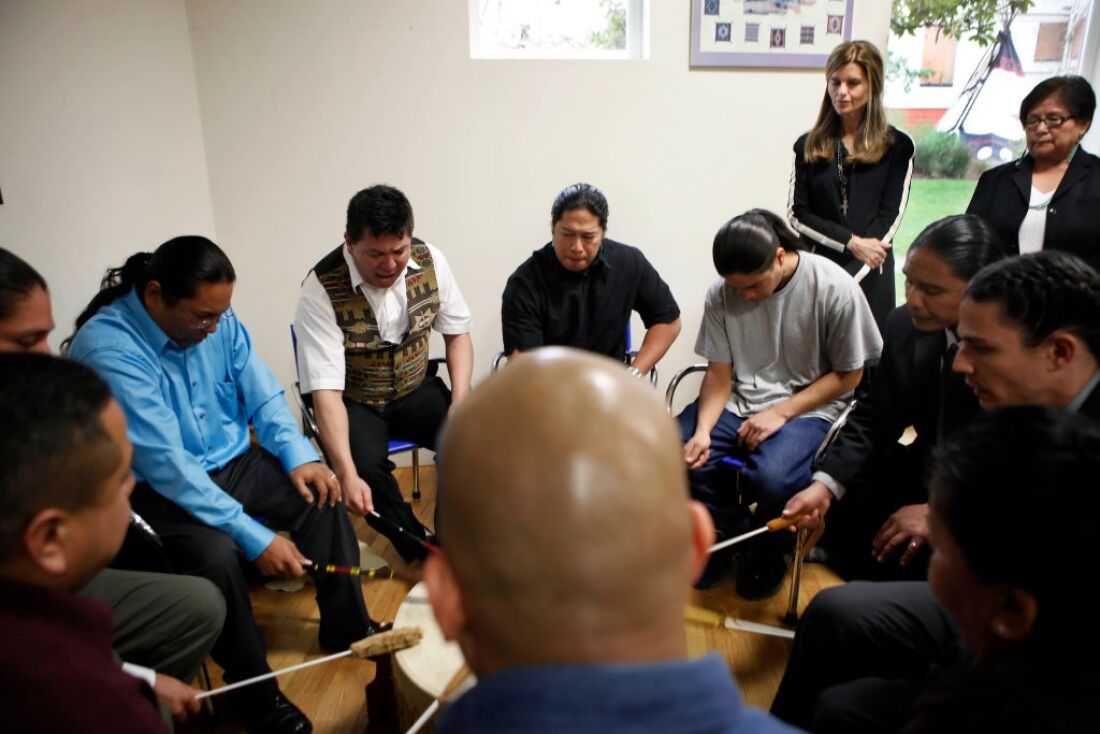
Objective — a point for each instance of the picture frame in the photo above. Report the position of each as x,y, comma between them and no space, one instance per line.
793,34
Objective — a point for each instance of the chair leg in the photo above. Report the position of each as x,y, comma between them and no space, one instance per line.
416,475
791,617
204,681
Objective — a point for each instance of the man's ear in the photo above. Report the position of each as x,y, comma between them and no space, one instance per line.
44,541
445,596
1062,347
347,242
1014,618
702,538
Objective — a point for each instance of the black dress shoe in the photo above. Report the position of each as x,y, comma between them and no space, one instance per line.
276,715
335,640
718,568
760,575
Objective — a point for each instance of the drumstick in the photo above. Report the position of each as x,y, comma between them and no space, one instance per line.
328,568
376,644
431,547
772,526
452,686
863,273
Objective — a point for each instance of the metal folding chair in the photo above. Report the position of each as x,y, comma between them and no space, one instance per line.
801,549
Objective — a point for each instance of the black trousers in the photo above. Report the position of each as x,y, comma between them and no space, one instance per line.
416,417
896,478
257,480
862,655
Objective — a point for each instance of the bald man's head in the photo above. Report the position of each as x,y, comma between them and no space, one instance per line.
565,513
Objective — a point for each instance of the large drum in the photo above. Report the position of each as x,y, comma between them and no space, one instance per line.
421,673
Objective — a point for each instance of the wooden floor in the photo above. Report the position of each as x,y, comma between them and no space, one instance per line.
332,695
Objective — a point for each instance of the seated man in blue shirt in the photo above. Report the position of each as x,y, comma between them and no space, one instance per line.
182,366
580,289
574,624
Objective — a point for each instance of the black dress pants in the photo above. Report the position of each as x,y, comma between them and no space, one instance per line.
257,480
862,655
416,417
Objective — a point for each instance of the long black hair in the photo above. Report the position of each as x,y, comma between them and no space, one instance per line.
965,242
747,243
180,265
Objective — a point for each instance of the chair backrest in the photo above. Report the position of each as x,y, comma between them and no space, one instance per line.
674,383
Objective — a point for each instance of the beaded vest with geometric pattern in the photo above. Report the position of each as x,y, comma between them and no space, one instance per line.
378,372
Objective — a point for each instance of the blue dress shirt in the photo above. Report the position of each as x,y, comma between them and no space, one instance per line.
188,410
663,698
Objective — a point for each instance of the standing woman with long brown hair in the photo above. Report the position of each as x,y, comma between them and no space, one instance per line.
850,182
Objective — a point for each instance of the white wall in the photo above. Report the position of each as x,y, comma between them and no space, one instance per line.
106,120
101,151
305,103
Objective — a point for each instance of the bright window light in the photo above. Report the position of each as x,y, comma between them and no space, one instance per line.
559,29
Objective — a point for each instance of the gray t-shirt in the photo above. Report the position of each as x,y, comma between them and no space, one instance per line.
819,322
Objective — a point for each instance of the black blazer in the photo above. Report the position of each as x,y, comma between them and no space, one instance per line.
1073,217
904,392
877,195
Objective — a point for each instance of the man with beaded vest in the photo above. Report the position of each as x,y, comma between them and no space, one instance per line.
363,323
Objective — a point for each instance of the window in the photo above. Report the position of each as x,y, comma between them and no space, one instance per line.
938,59
559,29
1051,41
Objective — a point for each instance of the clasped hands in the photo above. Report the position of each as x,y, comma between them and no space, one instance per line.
868,250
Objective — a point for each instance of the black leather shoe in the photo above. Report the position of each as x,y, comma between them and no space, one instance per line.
277,716
760,576
717,569
339,640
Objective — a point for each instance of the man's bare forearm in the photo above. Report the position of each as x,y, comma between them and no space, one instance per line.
332,420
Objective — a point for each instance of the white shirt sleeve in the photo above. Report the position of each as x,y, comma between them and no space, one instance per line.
454,314
146,674
830,483
320,339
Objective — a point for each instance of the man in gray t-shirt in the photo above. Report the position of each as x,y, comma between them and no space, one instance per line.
786,335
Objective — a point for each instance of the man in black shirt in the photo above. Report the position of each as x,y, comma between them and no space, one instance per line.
580,288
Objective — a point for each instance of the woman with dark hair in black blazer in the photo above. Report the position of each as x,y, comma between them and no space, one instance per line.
851,175
1050,198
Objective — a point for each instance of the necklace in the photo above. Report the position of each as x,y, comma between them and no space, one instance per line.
843,179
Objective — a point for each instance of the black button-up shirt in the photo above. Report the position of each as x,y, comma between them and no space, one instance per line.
544,303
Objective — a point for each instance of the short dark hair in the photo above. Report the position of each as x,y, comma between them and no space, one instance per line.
17,280
580,196
55,451
180,265
965,242
380,210
747,243
1073,91
1041,292
985,499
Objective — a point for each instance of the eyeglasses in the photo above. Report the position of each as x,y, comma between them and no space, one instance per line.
1053,121
205,324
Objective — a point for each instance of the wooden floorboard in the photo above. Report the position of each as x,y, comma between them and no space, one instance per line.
332,695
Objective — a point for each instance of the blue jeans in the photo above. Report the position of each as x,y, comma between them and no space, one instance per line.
773,473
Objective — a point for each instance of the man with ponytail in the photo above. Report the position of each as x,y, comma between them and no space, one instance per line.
182,366
786,335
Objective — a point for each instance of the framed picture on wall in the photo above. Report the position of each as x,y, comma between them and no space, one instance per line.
768,33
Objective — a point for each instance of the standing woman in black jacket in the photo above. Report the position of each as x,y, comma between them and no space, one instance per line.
1050,198
851,175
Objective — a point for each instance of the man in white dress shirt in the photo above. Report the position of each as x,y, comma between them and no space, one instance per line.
363,321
